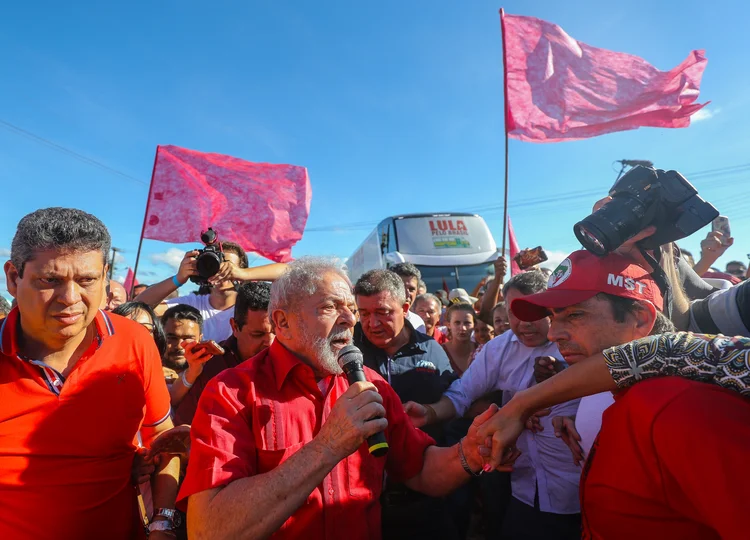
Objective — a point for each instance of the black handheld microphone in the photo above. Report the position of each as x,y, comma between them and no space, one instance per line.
351,361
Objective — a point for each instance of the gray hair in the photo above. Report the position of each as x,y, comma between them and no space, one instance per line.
425,297
526,283
302,278
406,270
377,281
63,229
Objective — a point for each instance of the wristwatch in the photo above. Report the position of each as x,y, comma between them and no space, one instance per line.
174,518
165,526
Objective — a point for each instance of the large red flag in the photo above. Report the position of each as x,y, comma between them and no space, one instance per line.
514,249
559,89
260,206
129,280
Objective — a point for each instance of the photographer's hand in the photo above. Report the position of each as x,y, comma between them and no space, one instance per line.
228,271
188,266
629,249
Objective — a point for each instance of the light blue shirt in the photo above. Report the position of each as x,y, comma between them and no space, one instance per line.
507,364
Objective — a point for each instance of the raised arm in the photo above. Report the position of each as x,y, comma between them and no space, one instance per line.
492,295
156,293
483,376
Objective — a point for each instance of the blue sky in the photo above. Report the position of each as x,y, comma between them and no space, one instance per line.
392,106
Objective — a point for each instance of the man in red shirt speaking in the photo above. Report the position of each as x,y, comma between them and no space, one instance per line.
278,441
669,460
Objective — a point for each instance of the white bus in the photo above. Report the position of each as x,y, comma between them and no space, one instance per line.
451,250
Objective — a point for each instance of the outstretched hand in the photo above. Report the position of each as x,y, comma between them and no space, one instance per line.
565,429
417,413
480,450
501,431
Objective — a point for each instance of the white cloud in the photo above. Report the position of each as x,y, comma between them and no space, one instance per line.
4,252
119,258
172,257
705,114
554,259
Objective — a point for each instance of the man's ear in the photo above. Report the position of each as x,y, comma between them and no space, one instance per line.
11,278
406,307
645,318
281,323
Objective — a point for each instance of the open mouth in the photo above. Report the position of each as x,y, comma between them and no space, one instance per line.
341,342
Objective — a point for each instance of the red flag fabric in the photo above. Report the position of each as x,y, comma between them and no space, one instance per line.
260,206
514,249
129,283
559,89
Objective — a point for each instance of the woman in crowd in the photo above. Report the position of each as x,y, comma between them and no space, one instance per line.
145,316
459,347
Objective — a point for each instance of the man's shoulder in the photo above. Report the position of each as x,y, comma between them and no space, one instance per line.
649,399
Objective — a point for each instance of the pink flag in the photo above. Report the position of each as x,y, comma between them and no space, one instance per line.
261,207
559,89
514,249
129,283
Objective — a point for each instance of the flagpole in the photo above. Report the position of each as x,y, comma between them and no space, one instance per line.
143,228
505,108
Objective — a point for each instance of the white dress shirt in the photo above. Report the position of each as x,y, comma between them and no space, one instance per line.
545,462
589,418
416,321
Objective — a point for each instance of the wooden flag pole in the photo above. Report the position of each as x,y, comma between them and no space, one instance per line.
143,228
505,100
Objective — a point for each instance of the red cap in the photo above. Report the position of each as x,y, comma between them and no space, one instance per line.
582,276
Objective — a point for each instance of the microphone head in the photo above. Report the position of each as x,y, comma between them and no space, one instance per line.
349,354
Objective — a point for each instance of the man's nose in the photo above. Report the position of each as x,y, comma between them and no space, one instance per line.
555,333
347,318
69,293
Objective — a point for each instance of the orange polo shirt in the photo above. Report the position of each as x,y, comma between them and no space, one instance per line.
67,444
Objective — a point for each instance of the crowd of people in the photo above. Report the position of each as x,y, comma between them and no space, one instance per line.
583,402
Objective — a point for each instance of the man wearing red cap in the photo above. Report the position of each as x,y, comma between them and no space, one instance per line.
669,459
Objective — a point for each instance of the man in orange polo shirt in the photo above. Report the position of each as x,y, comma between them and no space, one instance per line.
78,384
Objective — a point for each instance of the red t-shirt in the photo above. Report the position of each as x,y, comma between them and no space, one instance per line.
670,462
66,446
253,417
439,336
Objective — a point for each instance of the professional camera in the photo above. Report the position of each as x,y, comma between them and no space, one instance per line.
645,196
209,258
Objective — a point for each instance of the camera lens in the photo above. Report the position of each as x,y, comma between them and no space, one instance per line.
589,240
208,264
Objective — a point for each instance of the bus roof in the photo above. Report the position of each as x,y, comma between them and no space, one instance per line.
435,214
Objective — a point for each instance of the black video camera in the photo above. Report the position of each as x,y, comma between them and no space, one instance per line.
209,258
645,196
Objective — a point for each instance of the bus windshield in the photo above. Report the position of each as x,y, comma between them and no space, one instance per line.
466,277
